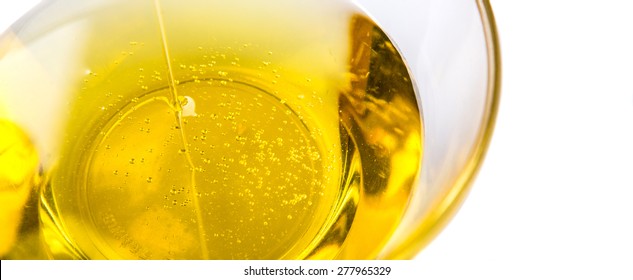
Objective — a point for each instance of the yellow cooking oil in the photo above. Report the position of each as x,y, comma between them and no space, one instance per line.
233,130
18,175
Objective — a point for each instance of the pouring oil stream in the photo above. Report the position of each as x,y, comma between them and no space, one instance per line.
176,103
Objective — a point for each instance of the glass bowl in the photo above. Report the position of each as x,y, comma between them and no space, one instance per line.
241,130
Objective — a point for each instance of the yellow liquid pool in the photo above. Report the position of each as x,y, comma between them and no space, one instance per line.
240,130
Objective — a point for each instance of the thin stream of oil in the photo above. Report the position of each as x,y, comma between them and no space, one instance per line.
179,109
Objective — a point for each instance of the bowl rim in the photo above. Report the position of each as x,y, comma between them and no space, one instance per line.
445,208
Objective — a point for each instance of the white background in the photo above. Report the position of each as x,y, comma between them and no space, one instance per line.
554,198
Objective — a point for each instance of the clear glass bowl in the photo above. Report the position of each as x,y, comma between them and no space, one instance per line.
241,130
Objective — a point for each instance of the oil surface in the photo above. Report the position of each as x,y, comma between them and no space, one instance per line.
233,131
18,175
